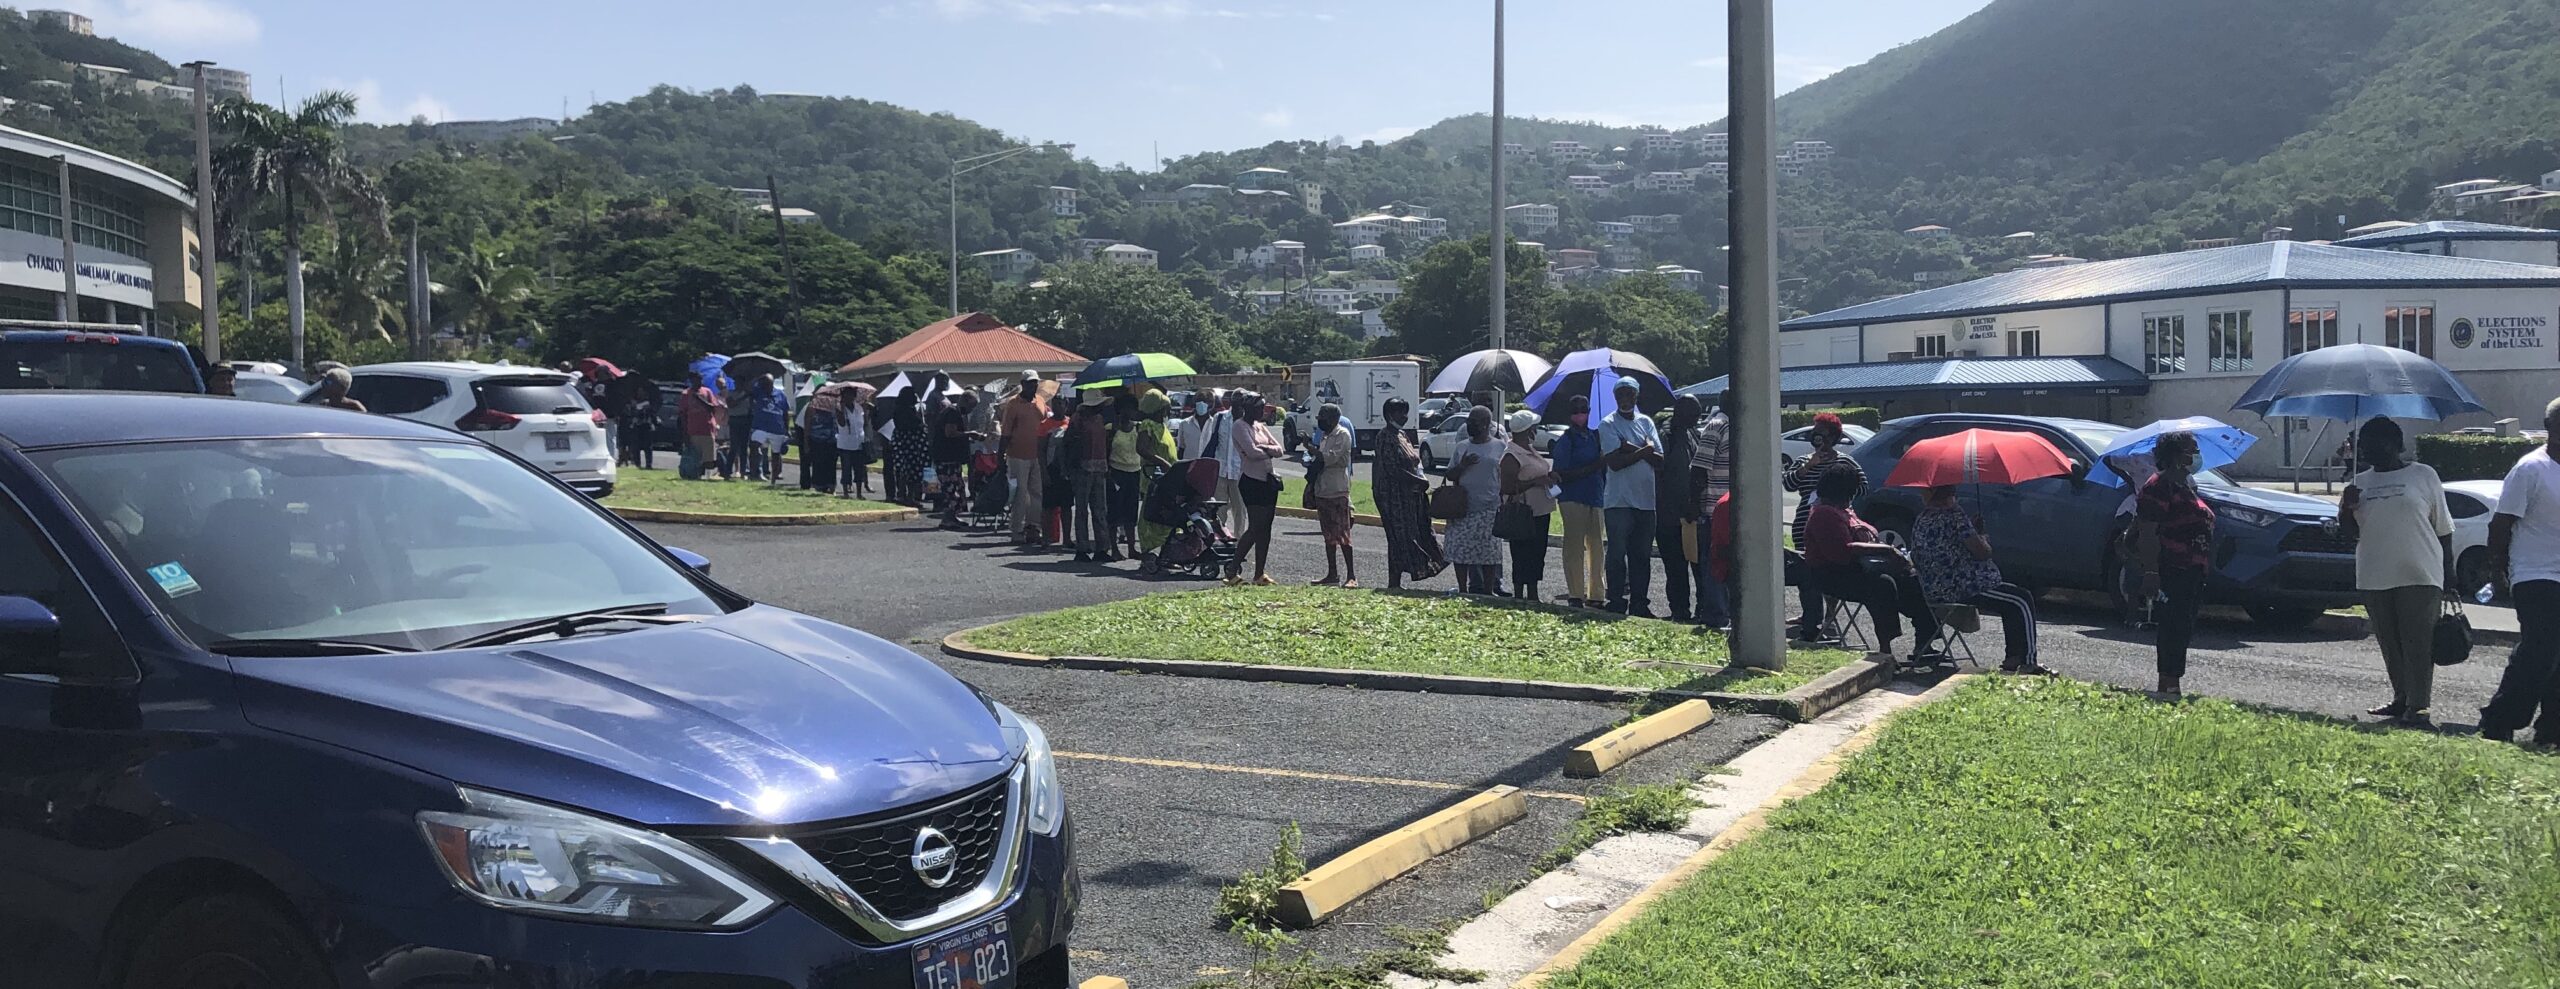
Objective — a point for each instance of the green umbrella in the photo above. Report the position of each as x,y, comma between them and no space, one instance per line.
1111,372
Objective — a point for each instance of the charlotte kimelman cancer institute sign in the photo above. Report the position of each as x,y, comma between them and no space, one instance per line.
2501,332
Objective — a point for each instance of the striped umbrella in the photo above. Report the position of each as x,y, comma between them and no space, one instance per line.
1510,372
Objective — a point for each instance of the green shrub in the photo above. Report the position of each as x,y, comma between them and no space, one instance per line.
2472,458
1855,416
1253,900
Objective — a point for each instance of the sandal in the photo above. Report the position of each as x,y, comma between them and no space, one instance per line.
1351,585
1264,581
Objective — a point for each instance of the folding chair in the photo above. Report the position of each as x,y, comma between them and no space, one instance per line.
1955,621
1844,614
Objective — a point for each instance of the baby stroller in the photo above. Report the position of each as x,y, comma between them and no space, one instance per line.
990,492
1185,499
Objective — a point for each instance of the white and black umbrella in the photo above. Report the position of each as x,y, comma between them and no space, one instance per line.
1508,371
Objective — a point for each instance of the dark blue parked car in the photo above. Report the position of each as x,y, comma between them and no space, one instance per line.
294,697
76,355
2273,552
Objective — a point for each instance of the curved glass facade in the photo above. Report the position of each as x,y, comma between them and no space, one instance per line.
30,200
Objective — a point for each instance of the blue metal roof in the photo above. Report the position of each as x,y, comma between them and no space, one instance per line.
2163,276
2450,230
1797,384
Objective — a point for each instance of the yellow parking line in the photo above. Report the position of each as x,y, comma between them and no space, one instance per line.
1301,774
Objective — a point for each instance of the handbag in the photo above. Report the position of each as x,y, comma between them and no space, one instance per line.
2452,634
1513,523
1448,502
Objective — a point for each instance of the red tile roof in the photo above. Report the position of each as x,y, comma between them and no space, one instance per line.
969,338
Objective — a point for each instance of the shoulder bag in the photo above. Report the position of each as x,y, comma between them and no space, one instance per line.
1449,502
2453,633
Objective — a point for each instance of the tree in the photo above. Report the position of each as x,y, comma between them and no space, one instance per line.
1300,334
1444,312
486,291
1645,314
1101,310
296,156
356,280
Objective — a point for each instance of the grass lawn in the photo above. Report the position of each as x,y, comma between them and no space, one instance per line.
2050,833
1417,633
663,490
1364,503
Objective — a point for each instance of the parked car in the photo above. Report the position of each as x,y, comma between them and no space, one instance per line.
534,413
1794,446
1433,410
343,700
2276,554
1440,445
104,358
258,386
2473,503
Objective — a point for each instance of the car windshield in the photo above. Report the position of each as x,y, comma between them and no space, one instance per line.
411,544
2100,436
93,363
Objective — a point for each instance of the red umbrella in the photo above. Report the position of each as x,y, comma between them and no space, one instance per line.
598,369
1979,456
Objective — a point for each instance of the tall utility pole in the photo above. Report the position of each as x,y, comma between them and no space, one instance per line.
70,264
1752,220
208,289
1501,264
782,235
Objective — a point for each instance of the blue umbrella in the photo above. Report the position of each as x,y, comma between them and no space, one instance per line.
1595,373
2218,442
2358,381
709,367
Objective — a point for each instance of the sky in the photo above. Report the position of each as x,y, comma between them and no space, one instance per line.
1119,78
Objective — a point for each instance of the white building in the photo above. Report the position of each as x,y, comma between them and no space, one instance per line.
1512,149
1716,144
1615,232
68,20
1129,254
1575,257
1008,264
1569,151
1374,227
1087,247
1666,182
793,215
107,76
136,236
1266,301
1531,219
1264,177
1659,142
2443,196
1929,231
487,131
1200,192
2138,339
1688,278
1589,185
1810,152
2465,239
1369,252
1277,254
1384,290
2484,201
1658,223
1719,169
221,83
1327,298
1061,199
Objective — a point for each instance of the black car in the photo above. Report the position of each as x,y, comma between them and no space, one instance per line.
2276,554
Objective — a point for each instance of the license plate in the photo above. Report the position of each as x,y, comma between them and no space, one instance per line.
555,442
980,957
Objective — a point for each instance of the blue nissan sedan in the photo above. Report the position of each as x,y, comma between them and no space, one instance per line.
293,697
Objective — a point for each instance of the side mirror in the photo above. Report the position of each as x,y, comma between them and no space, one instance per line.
30,635
693,561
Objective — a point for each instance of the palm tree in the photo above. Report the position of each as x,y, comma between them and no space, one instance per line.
295,156
487,290
356,279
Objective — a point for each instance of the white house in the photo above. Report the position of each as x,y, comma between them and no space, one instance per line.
1616,231
491,131
1008,264
1368,252
1589,185
1327,298
1569,151
2465,239
1658,223
1575,257
1200,192
1362,324
1666,182
2443,196
2551,180
1363,231
1530,219
1513,149
2480,201
1061,199
2138,339
1719,169
1659,142
1278,253
1266,301
1264,177
1384,290
1929,231
1129,254
1810,152
1716,144
1688,278
793,215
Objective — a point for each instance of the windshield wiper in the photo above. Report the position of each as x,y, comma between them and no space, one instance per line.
646,614
303,647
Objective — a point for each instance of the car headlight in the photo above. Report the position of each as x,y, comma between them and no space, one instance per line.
2247,516
520,855
1044,804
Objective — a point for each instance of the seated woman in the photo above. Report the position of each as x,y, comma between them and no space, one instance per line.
1955,568
1848,560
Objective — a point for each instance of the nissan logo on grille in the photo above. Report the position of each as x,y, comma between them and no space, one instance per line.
934,858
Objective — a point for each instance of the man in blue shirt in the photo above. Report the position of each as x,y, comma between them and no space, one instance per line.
1631,449
1576,455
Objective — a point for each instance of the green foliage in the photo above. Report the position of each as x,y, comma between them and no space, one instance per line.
1253,900
267,336
2092,836
1299,334
1854,416
2472,458
1444,308
1628,810
1100,310
1645,314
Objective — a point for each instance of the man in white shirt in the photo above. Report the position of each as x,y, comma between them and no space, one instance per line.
1631,447
2524,540
1218,443
1191,433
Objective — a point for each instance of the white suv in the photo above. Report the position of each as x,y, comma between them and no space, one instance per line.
534,413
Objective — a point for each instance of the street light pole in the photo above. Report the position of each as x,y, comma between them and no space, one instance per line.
1752,218
974,163
208,288
1501,265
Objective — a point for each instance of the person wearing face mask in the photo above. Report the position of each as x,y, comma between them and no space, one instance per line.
1018,428
2173,544
2395,512
1477,468
1576,456
1804,479
1194,435
1397,484
1631,446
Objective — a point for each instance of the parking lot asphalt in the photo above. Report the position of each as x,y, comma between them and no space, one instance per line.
1181,785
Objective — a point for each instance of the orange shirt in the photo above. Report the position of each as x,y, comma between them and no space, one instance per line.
1020,425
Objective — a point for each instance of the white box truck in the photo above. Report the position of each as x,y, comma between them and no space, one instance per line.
1362,389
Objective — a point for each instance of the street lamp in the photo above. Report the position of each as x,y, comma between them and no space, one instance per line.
207,286
974,163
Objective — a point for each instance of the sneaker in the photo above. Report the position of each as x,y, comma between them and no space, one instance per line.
2391,710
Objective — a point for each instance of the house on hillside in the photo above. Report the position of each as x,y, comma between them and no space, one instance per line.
1264,177
1368,252
1384,290
1569,151
2441,198
1929,231
1589,185
1326,298
1716,144
1616,231
1087,247
1009,264
1130,255
1513,149
1530,219
1061,200
1662,142
1198,193
1810,152
1283,254
70,21
1666,182
1575,257
1656,223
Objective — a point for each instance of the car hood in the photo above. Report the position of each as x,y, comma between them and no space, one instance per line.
2284,502
759,717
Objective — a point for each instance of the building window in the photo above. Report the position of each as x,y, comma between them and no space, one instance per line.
2026,343
2164,344
2410,326
2228,345
2310,327
1929,345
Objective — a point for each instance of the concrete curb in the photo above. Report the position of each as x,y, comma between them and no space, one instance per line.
1617,745
1328,888
722,518
1804,703
1812,779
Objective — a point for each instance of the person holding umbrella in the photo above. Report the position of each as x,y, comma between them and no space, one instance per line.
2395,512
700,411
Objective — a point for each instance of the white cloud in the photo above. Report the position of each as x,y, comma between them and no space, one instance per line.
194,24
1276,117
373,107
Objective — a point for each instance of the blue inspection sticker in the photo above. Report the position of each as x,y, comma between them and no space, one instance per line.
174,580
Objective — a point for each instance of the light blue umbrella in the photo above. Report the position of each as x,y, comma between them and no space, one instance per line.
710,366
2218,443
2358,381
